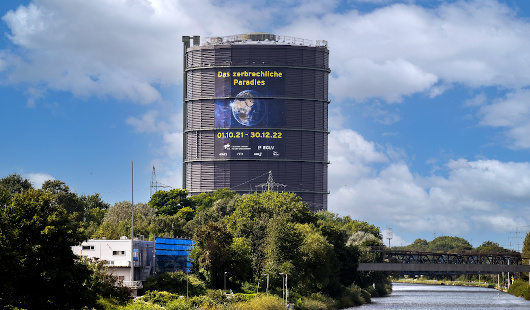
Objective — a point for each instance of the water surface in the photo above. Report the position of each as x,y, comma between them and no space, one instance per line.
442,297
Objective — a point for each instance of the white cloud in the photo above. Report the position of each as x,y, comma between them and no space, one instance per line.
474,196
37,179
125,48
147,123
402,49
390,80
512,113
120,48
167,155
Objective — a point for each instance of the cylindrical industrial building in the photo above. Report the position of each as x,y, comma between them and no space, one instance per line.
256,105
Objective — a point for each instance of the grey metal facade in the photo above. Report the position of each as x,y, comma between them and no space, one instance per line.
292,75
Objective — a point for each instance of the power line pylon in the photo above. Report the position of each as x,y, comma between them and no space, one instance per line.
270,185
155,185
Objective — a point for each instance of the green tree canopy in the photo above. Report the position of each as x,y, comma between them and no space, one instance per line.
169,202
448,244
211,253
38,268
117,221
14,183
491,247
526,248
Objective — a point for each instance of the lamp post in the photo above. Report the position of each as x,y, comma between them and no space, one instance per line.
286,290
267,290
225,281
187,286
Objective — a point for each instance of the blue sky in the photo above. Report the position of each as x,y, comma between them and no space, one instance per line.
429,113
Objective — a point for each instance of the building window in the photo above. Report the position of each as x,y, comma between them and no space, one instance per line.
118,252
88,247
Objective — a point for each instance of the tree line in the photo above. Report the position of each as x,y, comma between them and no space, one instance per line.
240,237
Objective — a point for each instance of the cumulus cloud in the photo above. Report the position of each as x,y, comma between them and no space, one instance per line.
169,151
126,49
37,179
511,113
475,195
121,49
130,47
402,49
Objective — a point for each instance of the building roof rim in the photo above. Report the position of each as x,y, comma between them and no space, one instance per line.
261,38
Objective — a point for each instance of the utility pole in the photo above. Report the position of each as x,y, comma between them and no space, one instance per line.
132,222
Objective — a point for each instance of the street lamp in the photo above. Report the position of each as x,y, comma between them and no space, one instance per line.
187,286
266,274
225,281
286,290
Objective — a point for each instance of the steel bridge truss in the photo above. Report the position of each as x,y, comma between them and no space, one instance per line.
406,257
443,263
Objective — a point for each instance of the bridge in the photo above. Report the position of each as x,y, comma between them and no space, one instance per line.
445,263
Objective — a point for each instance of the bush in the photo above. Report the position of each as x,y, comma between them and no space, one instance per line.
526,295
311,304
179,304
175,282
355,295
158,298
262,303
367,296
519,288
141,305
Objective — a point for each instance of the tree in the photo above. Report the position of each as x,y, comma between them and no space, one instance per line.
38,268
94,212
449,244
346,258
317,266
117,221
170,226
418,245
526,248
353,226
55,187
280,251
211,253
205,201
169,202
14,183
216,213
491,247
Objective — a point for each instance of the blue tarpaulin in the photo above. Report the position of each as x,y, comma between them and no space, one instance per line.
172,254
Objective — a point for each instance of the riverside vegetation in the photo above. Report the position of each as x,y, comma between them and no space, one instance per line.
446,244
246,236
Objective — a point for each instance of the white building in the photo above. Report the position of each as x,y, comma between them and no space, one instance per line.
118,255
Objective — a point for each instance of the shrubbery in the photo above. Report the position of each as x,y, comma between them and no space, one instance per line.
520,288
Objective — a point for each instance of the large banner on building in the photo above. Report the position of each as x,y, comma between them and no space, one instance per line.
249,113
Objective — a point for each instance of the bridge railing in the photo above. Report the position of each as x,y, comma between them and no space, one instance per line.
460,257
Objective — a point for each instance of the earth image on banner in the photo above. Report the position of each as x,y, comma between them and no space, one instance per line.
247,108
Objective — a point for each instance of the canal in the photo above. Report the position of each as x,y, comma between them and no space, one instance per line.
442,297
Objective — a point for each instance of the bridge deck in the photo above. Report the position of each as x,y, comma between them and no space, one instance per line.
465,262
443,268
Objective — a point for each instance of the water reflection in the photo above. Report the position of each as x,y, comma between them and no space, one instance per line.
420,296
